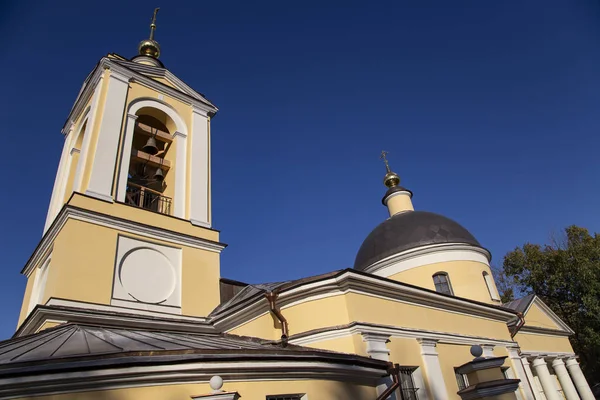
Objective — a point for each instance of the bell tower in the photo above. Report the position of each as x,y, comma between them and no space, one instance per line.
129,228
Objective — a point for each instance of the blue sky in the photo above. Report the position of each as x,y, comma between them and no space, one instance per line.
489,111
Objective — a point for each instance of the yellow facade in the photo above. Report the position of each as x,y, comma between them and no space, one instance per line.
80,254
466,278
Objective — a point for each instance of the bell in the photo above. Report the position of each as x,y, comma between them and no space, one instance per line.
159,175
150,146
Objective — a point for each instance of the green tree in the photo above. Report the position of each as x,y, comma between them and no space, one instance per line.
565,274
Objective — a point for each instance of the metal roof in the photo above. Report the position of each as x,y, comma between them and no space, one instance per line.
520,305
409,230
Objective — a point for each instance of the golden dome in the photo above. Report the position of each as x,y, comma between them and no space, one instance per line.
391,179
149,47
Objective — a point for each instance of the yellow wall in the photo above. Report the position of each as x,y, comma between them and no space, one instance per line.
545,343
466,278
254,390
346,308
536,317
135,214
344,344
452,356
27,296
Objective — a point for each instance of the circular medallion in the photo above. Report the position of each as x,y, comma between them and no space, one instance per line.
147,275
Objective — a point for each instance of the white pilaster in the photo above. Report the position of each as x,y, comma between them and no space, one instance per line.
59,182
87,136
579,380
435,378
180,174
541,370
199,170
530,379
377,349
488,350
125,157
565,380
107,142
517,366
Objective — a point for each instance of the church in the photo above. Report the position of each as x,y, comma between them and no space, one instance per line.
124,297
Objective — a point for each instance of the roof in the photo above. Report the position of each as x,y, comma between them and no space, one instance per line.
520,305
408,230
248,292
55,347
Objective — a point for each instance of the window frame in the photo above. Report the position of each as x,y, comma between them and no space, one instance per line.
487,278
461,380
447,282
407,388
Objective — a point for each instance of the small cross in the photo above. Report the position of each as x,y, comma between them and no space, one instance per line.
384,158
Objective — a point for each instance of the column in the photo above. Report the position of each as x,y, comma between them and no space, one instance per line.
107,141
579,380
541,370
59,182
435,378
125,157
199,170
180,174
565,380
515,359
377,349
529,374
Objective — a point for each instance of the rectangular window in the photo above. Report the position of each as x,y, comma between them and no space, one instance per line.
461,380
407,384
288,397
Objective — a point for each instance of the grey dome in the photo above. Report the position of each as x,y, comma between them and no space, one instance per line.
409,230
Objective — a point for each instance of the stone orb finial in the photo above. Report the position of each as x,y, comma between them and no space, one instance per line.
216,383
476,351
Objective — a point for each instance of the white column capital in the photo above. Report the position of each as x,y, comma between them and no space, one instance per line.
428,346
74,150
488,350
376,345
564,379
119,76
132,116
548,385
179,134
571,361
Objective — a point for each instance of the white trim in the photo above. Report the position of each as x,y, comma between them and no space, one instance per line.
137,72
87,135
491,285
431,363
376,345
517,364
373,286
428,255
397,332
107,141
122,307
39,284
60,182
109,221
199,170
135,305
399,193
551,314
180,150
191,372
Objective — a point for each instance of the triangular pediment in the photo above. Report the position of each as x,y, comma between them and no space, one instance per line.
539,315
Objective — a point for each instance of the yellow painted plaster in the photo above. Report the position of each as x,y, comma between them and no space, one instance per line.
452,356
387,312
321,313
27,296
536,317
47,325
141,216
406,352
344,344
253,390
535,342
466,278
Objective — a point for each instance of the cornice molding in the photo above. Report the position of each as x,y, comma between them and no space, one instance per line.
134,72
80,214
386,331
350,281
90,313
444,252
142,374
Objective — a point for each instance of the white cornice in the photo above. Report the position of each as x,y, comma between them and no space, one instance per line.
395,331
81,312
178,373
154,232
131,71
427,255
352,282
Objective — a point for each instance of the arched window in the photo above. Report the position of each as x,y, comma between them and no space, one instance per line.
489,283
442,283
